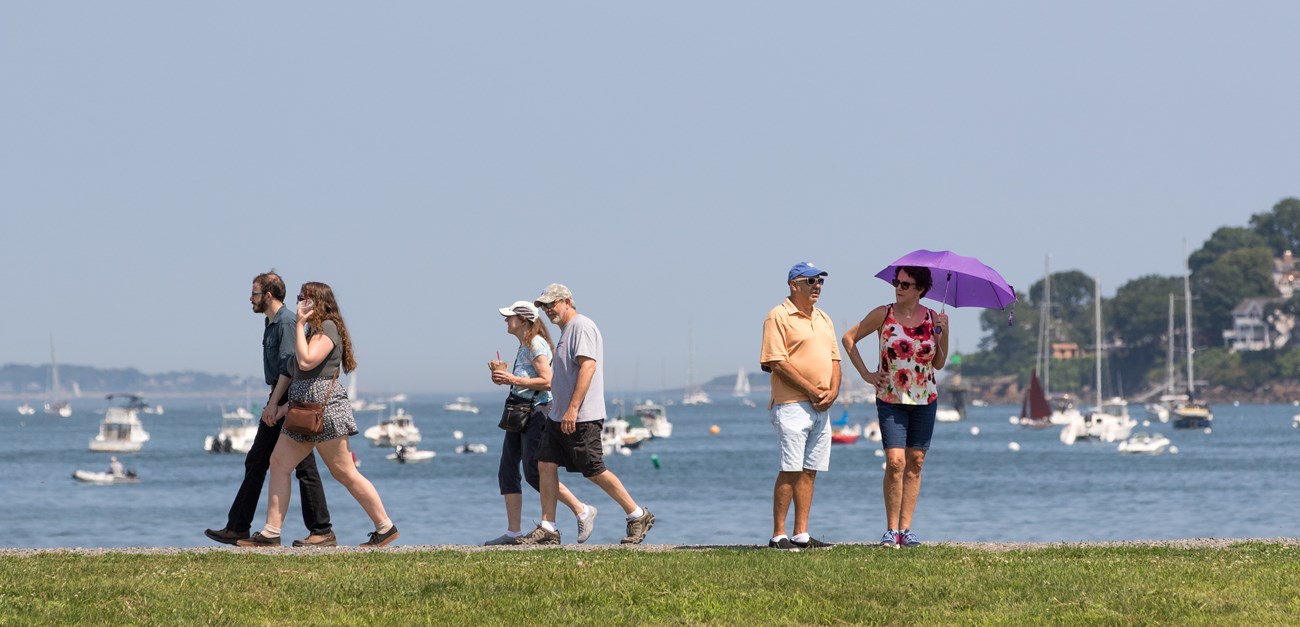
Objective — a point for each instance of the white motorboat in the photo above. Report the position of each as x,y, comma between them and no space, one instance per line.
462,403
397,430
872,431
26,410
236,435
654,419
105,478
1145,443
238,413
616,436
409,454
121,430
476,448
947,414
1295,421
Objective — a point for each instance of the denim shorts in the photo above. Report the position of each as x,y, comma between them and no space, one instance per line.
805,436
907,426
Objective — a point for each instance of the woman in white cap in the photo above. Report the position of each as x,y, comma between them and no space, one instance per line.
530,378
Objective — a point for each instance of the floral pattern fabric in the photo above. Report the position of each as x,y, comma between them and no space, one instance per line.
907,356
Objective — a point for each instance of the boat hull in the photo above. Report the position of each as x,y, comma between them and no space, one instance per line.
102,478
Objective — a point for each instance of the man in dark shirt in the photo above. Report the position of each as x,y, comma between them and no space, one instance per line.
278,353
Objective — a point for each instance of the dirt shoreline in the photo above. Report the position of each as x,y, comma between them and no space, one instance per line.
995,547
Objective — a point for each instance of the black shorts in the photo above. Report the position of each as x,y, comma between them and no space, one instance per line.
579,451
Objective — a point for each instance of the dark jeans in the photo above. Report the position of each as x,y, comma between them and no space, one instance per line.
315,513
522,447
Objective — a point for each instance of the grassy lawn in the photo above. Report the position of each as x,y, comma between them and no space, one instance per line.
1253,583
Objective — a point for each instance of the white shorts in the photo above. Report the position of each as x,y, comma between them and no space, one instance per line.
805,436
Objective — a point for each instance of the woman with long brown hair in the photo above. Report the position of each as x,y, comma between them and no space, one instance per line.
324,349
530,379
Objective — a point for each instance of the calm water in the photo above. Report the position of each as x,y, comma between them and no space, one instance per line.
1236,482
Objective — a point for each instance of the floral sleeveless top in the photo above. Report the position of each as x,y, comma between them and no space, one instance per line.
907,356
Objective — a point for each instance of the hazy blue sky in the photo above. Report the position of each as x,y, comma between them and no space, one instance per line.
668,161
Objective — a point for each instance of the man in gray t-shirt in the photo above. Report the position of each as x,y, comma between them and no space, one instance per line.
571,437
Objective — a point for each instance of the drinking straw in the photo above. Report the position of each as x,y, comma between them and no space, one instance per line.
498,355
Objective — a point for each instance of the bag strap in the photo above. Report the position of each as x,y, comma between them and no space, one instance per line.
332,382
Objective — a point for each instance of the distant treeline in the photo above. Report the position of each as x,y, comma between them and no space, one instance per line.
33,381
1236,263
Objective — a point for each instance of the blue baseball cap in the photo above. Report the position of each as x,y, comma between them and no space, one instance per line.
804,268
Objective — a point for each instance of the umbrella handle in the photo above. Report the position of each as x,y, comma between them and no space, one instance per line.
943,304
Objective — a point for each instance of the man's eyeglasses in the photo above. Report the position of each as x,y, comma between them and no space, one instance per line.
907,285
256,294
550,306
813,280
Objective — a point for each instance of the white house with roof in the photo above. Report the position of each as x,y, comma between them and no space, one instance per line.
1257,326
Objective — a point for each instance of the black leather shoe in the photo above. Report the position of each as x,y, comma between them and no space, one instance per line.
225,536
812,543
381,539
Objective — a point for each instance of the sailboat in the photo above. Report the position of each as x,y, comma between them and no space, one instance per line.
741,390
1192,413
1109,420
693,395
1162,408
1035,411
56,406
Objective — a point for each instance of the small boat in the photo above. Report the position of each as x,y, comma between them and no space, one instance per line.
26,410
742,389
56,406
462,403
1295,421
397,430
616,436
236,435
1145,443
654,419
409,454
238,413
357,403
475,448
121,430
105,478
957,411
873,431
844,433
1192,414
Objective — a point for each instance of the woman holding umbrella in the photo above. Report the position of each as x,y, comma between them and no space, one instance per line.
913,345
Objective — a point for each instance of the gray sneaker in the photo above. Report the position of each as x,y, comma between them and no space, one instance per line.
540,536
504,539
585,527
637,528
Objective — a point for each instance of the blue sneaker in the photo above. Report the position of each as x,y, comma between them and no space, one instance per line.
907,540
890,539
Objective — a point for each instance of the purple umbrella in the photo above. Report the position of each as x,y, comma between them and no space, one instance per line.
958,281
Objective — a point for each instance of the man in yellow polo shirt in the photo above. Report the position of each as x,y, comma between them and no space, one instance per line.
800,351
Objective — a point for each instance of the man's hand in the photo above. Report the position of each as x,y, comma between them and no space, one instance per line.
823,399
569,423
269,415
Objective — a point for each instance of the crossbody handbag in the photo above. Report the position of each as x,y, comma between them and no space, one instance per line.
305,418
514,418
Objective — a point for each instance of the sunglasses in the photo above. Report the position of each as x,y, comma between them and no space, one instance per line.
907,285
550,306
813,280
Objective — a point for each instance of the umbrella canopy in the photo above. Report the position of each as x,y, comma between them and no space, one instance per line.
958,280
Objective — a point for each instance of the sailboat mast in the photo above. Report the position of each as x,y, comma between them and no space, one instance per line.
1097,323
54,374
1187,298
1169,350
1047,327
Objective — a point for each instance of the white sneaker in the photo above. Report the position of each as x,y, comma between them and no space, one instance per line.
585,527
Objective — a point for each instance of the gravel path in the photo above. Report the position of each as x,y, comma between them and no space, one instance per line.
1189,543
